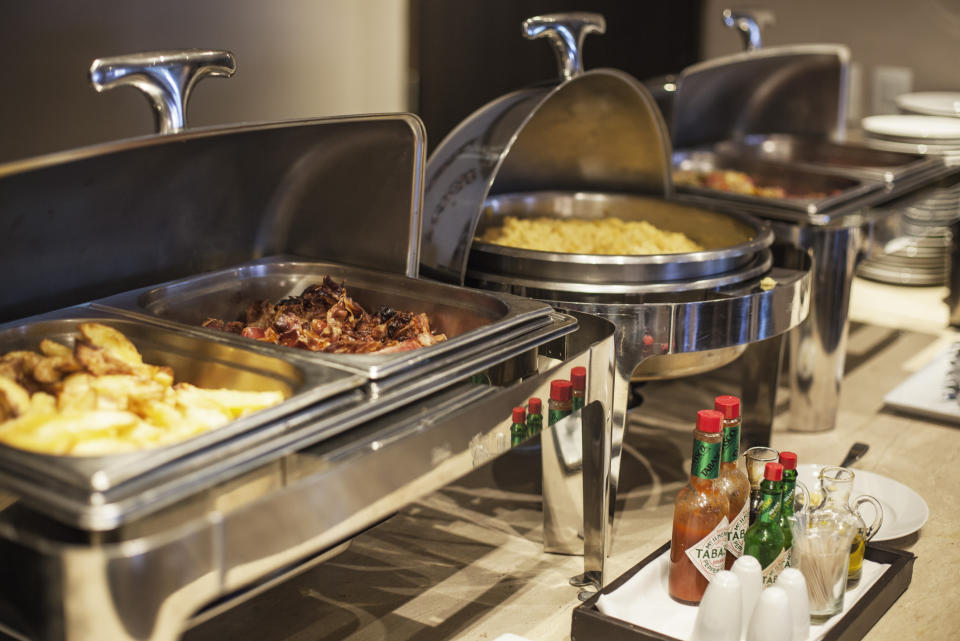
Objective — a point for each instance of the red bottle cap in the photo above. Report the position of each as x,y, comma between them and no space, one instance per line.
561,391
773,472
788,460
728,405
578,377
519,415
535,406
709,421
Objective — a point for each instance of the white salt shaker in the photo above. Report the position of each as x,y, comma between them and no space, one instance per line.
748,569
771,618
718,615
792,581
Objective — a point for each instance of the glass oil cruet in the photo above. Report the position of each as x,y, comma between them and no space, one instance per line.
836,484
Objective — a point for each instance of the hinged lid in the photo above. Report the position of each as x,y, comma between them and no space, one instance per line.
597,130
92,222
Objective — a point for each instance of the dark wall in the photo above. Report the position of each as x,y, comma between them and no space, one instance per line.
464,53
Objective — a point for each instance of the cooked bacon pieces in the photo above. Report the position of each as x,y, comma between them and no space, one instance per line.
325,319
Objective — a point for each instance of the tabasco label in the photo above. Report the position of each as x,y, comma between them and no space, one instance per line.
710,552
772,571
737,530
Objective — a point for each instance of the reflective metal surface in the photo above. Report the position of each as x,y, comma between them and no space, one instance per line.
566,32
598,131
147,580
78,489
762,91
851,159
138,212
808,191
466,316
674,326
749,23
731,241
166,78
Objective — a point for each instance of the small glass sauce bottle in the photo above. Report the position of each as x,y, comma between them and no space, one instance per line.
518,429
698,543
534,416
732,480
789,462
561,401
764,539
578,378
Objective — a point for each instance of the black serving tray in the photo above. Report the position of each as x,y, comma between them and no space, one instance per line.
589,624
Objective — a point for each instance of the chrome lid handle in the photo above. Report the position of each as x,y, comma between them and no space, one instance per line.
750,23
566,32
166,77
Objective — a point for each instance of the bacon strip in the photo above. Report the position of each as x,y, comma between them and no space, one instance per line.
325,319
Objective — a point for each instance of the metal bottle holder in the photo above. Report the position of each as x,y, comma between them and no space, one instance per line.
572,149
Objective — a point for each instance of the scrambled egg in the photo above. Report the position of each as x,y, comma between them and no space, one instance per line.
599,236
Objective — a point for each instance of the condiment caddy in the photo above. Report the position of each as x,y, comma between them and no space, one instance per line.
794,561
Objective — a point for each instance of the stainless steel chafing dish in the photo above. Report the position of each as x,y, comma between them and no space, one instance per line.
594,144
230,213
778,114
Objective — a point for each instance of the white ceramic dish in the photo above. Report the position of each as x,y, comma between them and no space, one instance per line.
931,103
922,394
904,511
912,127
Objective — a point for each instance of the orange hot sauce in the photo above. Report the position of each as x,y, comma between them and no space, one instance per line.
698,544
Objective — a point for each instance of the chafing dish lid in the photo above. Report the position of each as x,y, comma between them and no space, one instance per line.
797,89
597,130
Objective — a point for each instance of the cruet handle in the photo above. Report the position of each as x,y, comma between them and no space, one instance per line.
566,32
165,77
800,487
877,519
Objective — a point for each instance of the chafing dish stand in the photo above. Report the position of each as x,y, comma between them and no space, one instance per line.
187,533
578,148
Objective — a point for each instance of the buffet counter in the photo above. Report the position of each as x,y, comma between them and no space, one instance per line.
466,562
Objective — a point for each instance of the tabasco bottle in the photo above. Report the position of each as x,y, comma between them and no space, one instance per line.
534,416
698,544
733,481
789,462
764,539
578,379
518,429
561,401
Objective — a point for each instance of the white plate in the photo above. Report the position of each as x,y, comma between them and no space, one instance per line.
931,103
932,128
922,393
904,511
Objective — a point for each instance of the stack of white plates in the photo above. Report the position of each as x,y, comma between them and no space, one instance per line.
930,103
921,254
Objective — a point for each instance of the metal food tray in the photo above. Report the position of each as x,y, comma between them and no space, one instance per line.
162,482
795,180
466,316
731,241
846,159
195,358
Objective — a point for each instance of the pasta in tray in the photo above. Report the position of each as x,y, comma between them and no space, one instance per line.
608,235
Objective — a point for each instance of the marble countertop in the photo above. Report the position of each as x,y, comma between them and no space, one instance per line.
466,562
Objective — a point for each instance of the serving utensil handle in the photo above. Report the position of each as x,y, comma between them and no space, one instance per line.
749,23
566,32
165,77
